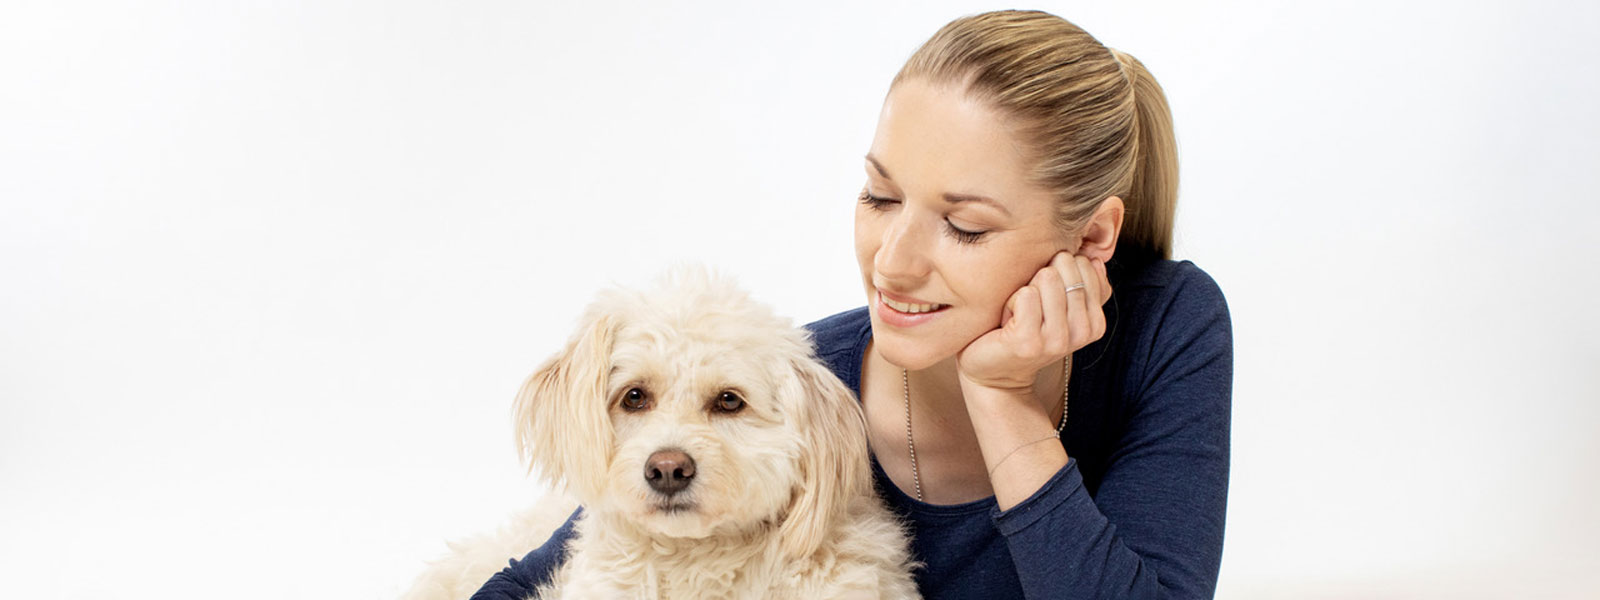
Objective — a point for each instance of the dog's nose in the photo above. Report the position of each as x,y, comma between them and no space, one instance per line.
669,471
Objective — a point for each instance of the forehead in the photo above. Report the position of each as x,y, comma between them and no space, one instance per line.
937,138
715,357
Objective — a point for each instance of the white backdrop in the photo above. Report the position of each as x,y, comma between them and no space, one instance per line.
272,272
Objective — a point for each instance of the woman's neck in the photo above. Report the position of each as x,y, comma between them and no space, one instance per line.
935,391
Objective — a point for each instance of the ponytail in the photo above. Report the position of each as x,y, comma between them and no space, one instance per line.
1152,199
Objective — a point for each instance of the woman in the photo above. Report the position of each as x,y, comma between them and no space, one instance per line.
1042,437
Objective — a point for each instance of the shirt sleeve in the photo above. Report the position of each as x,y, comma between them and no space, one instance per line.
1154,528
518,581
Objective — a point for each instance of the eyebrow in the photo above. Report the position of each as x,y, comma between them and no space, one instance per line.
948,197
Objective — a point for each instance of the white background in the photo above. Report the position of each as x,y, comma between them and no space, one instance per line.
271,272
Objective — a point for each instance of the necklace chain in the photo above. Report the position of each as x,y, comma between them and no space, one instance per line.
911,446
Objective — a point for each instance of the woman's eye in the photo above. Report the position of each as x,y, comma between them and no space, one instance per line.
635,399
729,402
876,202
962,235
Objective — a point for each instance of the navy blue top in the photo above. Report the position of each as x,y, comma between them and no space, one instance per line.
1137,512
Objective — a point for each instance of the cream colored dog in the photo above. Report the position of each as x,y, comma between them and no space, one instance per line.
714,456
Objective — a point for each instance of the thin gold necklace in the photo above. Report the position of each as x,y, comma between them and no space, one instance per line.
905,387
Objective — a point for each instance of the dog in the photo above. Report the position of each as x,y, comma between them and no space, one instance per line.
714,456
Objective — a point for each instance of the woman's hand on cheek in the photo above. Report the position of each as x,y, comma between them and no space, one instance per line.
1041,324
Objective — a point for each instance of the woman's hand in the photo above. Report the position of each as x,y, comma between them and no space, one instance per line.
1041,324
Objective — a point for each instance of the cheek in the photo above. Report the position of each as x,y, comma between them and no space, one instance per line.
625,428
867,237
631,449
999,276
766,470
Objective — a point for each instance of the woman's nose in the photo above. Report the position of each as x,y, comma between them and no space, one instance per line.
901,255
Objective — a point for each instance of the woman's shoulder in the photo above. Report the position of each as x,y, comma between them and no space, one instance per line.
1164,314
1172,288
1159,273
1175,320
839,340
840,330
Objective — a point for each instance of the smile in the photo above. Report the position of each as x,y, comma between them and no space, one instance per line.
911,309
906,314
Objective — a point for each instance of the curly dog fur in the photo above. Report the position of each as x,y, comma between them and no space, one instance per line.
714,456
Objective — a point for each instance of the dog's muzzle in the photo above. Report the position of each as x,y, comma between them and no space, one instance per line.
669,471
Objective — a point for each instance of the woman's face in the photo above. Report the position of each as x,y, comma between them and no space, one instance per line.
949,226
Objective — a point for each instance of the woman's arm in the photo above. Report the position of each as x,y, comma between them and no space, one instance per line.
518,581
1154,528
1058,312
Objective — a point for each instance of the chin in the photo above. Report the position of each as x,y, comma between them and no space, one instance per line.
922,347
904,353
685,521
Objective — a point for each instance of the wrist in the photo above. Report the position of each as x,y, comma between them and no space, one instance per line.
1005,417
997,464
992,389
1021,474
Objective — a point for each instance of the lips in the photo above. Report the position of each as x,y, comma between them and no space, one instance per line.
906,312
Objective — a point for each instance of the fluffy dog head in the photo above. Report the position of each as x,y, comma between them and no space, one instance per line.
691,411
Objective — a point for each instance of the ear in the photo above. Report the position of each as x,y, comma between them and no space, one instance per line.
833,459
560,415
1099,238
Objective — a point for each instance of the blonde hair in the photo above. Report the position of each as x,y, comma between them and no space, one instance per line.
1095,119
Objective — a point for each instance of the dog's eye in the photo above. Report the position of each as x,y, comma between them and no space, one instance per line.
729,402
635,399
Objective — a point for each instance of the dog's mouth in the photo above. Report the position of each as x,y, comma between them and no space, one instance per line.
669,507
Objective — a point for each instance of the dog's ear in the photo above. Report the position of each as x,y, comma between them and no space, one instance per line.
833,459
560,415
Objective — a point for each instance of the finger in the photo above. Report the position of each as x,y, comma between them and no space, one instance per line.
1084,268
1024,325
1091,298
1053,308
1078,321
